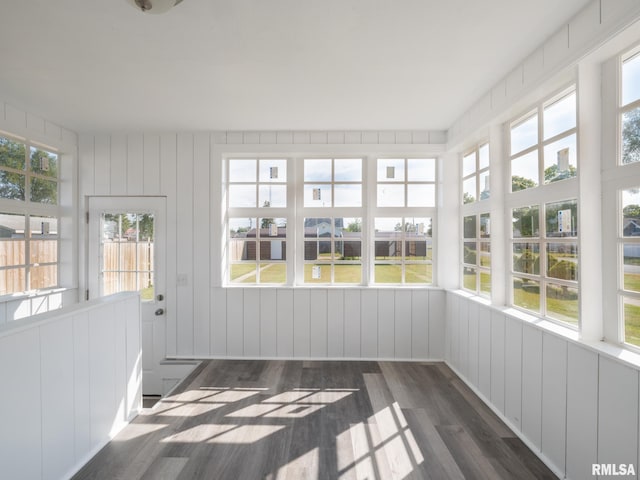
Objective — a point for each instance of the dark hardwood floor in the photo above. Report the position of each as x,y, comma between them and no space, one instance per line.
243,420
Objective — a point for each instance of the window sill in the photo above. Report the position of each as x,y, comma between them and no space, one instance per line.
31,294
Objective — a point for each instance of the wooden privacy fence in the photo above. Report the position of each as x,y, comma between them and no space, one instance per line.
13,256
127,266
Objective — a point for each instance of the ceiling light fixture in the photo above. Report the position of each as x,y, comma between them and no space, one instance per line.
154,6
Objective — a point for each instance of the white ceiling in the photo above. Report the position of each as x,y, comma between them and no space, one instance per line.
100,65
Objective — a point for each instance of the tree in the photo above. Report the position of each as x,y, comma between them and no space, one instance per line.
551,174
631,211
521,183
468,198
631,137
145,226
355,226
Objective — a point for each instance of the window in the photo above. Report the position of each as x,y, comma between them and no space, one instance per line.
28,217
475,175
545,259
333,182
406,182
257,183
476,254
403,250
630,109
543,144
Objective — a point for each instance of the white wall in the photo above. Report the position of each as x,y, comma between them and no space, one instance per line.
206,320
71,379
573,403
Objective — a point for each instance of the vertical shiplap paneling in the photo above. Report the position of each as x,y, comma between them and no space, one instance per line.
497,360
21,452
617,413
554,399
285,322
369,323
472,369
463,336
81,380
201,244
235,322
101,374
135,164
219,322
86,163
582,414
251,315
420,324
402,315
352,323
102,165
151,165
386,324
532,384
453,322
268,322
335,323
133,345
118,165
437,323
301,332
513,372
185,259
168,176
484,351
318,323
120,364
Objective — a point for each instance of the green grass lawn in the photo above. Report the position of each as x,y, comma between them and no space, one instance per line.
146,294
561,305
632,282
632,324
348,273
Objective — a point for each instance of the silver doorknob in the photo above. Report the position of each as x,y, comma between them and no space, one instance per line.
160,311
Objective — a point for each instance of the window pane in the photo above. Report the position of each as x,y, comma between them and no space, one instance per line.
12,243
469,278
417,227
631,79
631,260
524,171
348,227
485,225
12,185
317,273
562,261
12,154
272,196
43,251
386,249
317,227
44,163
242,196
526,258
525,221
524,134
273,227
242,272
483,156
348,195
240,227
44,191
347,170
387,273
562,219
631,212
348,250
469,253
526,294
242,171
273,171
388,226
469,164
560,116
390,195
417,250
631,320
469,226
485,185
345,273
12,280
485,282
631,136
418,273
45,276
317,170
469,190
391,170
273,250
485,254
421,170
560,160
421,195
318,195
273,273
562,303
242,249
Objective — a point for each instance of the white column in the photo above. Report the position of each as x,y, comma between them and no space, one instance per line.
448,226
500,217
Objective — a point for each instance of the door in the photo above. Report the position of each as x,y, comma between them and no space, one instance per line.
127,242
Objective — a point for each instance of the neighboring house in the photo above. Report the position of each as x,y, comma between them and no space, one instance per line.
631,227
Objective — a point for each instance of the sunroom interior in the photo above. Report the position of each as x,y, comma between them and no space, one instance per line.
412,182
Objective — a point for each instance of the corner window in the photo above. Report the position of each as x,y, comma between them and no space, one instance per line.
630,109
